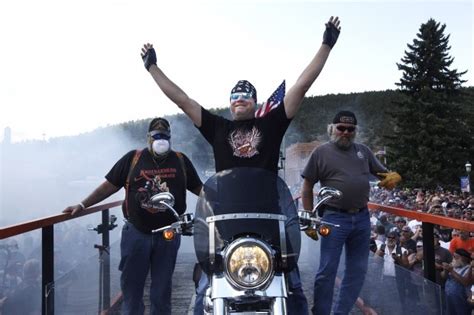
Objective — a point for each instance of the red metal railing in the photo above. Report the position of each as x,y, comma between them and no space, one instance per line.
426,217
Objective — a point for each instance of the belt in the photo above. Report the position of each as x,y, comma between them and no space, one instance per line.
349,211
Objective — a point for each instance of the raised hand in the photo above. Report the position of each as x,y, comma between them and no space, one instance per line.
332,31
148,55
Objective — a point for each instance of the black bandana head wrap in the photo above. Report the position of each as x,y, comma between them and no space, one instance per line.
247,87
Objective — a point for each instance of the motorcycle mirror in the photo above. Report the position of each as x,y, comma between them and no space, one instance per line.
163,197
332,193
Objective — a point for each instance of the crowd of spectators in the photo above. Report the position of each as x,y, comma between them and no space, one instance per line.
399,243
20,265
451,204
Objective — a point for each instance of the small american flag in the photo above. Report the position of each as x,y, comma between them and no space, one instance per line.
275,99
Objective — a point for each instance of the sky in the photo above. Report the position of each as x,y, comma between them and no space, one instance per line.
69,67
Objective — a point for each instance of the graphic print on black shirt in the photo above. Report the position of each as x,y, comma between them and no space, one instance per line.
146,179
244,143
153,185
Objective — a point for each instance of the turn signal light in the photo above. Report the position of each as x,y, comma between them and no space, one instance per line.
168,235
324,230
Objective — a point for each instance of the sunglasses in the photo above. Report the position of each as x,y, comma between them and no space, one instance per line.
242,95
343,129
159,136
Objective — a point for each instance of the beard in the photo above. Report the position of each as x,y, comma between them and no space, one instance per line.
457,263
342,142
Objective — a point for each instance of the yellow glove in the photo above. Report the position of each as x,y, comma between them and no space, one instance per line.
389,180
312,233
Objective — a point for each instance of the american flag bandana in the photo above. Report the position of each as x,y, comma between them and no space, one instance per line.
247,87
275,99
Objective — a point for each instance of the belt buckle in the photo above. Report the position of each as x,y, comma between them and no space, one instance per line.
353,210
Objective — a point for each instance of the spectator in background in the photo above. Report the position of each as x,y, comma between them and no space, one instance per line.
380,233
415,260
445,234
464,241
394,279
436,210
400,223
383,221
467,214
26,298
373,218
456,209
406,241
442,255
458,277
418,235
414,225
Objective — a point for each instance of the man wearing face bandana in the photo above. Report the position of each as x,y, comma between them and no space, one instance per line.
144,173
247,141
347,166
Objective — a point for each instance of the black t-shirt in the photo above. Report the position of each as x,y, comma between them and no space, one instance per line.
148,178
245,143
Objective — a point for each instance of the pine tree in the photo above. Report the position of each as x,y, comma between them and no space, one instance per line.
426,66
432,139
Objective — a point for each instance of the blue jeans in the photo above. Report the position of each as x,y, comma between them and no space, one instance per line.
354,234
456,298
141,253
296,302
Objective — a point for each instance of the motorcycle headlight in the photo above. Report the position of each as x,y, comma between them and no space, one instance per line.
248,263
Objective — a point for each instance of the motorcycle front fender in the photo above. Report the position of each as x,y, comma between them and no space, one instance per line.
221,288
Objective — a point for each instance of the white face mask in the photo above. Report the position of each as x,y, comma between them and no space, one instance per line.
161,146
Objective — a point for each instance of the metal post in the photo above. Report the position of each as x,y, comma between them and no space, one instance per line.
428,251
106,260
47,270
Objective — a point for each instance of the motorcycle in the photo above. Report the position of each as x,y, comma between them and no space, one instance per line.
247,239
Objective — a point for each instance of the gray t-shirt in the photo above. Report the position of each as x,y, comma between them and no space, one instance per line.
347,170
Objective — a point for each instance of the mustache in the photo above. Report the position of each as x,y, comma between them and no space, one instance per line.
342,141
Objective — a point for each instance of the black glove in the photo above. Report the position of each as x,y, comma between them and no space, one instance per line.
187,231
330,35
149,58
312,233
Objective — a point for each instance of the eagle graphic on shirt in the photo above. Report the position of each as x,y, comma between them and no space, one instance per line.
244,143
154,185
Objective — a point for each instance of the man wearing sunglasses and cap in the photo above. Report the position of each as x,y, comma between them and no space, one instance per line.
347,166
247,141
144,173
